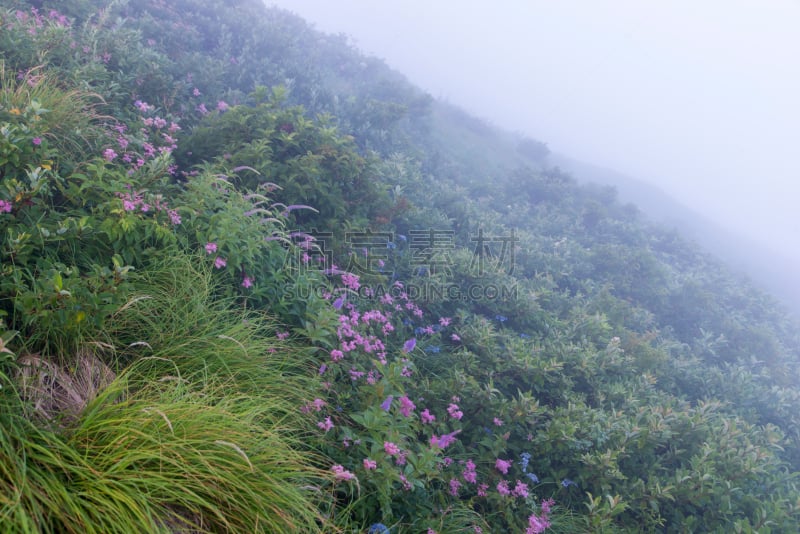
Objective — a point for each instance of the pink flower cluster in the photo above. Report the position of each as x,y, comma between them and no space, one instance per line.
134,200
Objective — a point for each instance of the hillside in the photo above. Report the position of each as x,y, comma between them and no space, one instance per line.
255,281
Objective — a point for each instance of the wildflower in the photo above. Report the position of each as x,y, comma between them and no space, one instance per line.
37,141
454,412
341,473
322,369
547,504
356,374
109,154
391,448
220,262
409,345
501,318
175,218
445,441
326,425
567,483
533,478
426,417
378,528
196,92
536,524
454,486
497,421
202,109
502,465
430,530
128,205
469,473
336,355
282,335
5,206
337,304
482,490
526,457
385,405
455,337
370,464
502,488
434,349
247,282
444,321
521,490
351,281
222,106
406,406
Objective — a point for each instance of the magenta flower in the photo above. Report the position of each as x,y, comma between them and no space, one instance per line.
336,355
175,219
454,486
502,488
454,412
521,490
220,262
109,154
5,206
247,282
503,465
211,248
370,464
406,406
444,321
326,425
196,92
497,421
426,417
341,473
222,106
390,448
37,141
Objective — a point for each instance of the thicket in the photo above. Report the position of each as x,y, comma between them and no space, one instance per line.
255,281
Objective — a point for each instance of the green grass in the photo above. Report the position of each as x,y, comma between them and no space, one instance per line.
199,432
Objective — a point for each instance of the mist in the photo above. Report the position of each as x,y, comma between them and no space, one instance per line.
697,99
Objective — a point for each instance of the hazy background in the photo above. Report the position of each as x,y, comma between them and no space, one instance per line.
699,98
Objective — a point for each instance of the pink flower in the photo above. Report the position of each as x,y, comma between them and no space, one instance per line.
370,464
196,92
326,425
5,206
454,412
336,355
469,473
444,321
37,141
455,337
222,106
409,345
220,262
521,490
318,404
341,473
482,490
497,421
547,504
109,154
454,486
502,488
406,406
390,448
503,465
247,282
426,417
536,524
175,219
282,335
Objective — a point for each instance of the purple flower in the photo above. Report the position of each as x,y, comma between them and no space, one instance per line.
220,262
5,206
109,154
409,345
385,405
37,141
211,248
406,406
337,304
247,282
222,106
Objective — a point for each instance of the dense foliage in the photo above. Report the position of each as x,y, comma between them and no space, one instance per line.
253,281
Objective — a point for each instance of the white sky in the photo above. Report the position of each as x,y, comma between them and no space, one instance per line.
700,97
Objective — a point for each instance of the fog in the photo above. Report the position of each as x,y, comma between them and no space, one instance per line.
698,98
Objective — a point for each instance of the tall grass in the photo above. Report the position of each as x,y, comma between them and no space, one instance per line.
200,432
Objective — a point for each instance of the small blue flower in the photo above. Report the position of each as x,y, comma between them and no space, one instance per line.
433,349
524,336
533,478
402,237
378,528
419,330
391,245
567,483
385,405
526,457
501,318
407,322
